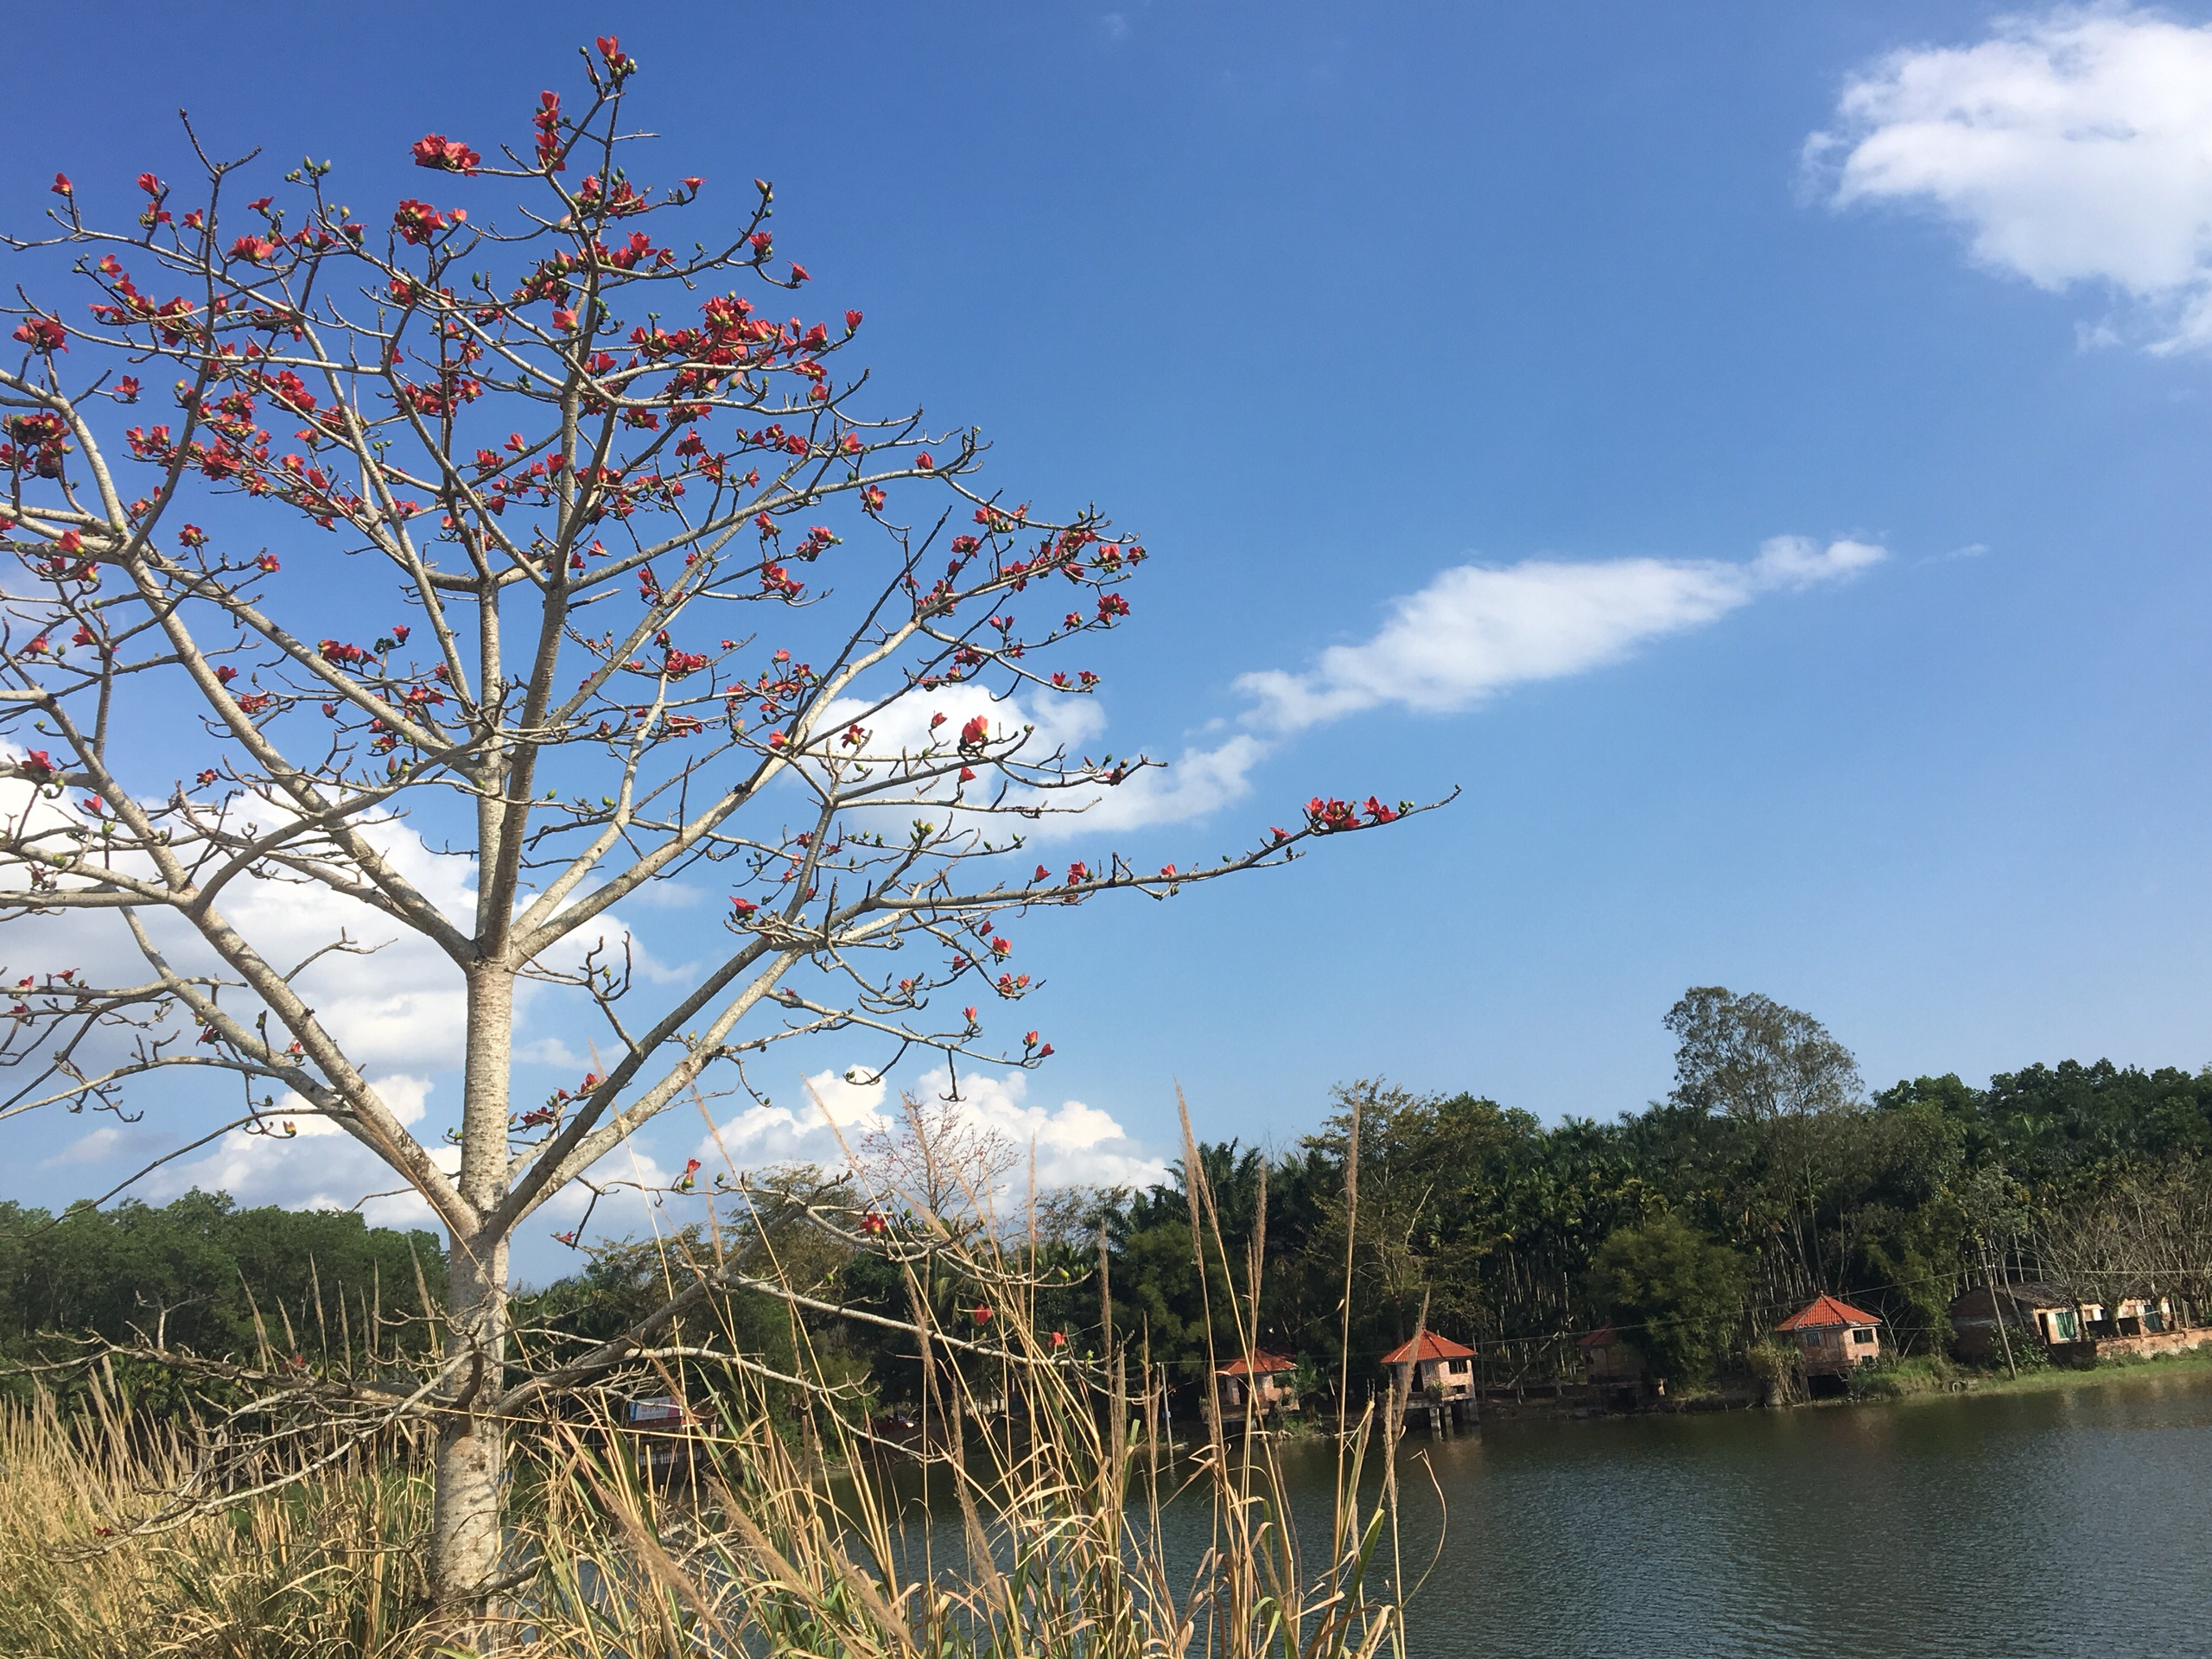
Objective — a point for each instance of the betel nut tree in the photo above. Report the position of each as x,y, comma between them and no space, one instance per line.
544,543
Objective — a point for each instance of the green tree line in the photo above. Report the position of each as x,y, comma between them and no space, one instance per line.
1768,1176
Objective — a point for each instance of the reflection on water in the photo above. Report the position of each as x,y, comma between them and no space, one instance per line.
2074,1522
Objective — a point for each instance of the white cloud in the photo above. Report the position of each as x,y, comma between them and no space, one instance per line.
1193,784
93,1147
396,1000
1477,630
1075,1144
317,1167
2072,147
1473,632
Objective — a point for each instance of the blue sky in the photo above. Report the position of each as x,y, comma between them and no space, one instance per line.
1332,303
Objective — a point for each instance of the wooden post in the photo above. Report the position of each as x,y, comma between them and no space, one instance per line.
1996,1308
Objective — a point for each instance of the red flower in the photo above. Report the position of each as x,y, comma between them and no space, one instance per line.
1331,815
798,272
1042,874
417,221
1078,874
975,733
62,186
1058,1339
874,1223
435,150
983,1313
43,334
252,249
38,763
547,120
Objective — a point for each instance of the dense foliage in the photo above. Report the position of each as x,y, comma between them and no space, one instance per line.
204,1275
1693,1226
1767,1176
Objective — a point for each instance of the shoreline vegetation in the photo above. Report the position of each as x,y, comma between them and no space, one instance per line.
207,1450
618,1563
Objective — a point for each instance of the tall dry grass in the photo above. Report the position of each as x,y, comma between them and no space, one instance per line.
1040,1510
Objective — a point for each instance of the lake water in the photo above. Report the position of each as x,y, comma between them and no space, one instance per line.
2073,1522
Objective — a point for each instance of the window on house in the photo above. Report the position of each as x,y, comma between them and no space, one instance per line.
2065,1324
1862,1336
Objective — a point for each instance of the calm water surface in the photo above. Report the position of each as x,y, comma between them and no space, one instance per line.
2072,1523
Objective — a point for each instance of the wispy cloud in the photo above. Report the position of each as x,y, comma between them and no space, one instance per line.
1474,631
94,1146
1478,630
2072,147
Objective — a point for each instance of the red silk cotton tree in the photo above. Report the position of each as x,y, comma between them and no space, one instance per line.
549,538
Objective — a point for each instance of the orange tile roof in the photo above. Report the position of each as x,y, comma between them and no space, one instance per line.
1603,1336
1262,1364
1432,1347
1823,1312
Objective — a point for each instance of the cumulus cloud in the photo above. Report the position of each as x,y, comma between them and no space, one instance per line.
2073,147
317,1167
1477,630
1074,1144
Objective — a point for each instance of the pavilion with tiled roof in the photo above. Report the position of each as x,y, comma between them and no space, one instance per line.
1262,1376
1439,1369
1834,1337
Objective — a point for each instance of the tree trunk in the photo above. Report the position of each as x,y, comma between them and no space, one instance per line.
467,1538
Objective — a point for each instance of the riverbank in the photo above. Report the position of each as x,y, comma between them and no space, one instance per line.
1921,1379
